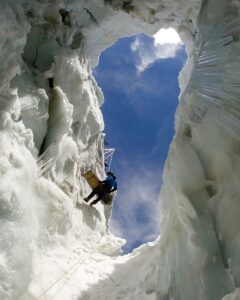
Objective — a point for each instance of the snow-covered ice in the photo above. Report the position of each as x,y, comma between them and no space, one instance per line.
53,245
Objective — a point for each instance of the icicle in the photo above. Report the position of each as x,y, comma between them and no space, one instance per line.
46,160
28,103
214,79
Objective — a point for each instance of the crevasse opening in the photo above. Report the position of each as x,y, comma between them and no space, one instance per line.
139,78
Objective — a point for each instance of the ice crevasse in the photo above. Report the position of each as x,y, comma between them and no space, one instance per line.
52,245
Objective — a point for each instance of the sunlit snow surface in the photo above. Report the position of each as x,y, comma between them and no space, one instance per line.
53,246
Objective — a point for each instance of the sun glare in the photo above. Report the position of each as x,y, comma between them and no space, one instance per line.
167,36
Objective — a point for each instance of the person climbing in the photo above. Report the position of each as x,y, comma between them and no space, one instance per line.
106,187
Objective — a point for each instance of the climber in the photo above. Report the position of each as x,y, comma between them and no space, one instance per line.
103,191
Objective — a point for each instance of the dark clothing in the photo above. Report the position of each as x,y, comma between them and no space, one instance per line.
99,192
107,186
111,181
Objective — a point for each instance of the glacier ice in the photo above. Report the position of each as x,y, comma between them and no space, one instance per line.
52,245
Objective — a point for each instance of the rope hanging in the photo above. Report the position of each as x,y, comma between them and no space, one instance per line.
60,278
108,155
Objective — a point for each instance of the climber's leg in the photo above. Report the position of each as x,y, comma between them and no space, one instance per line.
90,196
96,201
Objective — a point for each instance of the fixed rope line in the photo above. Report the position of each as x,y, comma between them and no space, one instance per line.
108,153
56,281
67,279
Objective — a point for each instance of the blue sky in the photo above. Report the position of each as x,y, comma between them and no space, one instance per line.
141,94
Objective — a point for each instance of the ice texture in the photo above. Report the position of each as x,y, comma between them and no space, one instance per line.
199,253
53,245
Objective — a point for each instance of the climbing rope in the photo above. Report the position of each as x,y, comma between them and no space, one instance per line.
108,155
67,279
61,277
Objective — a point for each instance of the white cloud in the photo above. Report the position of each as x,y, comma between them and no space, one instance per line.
135,45
138,213
165,44
167,36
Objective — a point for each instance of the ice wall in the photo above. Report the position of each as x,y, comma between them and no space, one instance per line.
51,133
199,243
52,245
